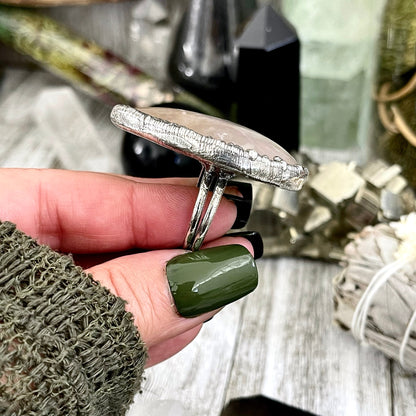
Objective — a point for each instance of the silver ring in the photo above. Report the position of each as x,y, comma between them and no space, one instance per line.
198,227
224,149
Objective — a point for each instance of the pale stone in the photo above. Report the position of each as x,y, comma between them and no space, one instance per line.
222,130
287,201
381,174
337,182
319,216
214,141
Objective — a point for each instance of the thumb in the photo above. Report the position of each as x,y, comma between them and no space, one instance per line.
172,292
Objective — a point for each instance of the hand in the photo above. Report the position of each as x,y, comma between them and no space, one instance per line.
104,219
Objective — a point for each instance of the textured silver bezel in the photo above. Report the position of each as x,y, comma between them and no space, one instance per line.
227,156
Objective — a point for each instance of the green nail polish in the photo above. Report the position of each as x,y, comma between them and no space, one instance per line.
204,280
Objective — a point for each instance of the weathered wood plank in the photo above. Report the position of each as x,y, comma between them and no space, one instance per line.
289,349
403,392
198,375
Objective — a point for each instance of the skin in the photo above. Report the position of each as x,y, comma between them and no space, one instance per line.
102,219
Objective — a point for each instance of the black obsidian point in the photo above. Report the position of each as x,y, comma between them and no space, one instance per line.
261,406
267,31
268,78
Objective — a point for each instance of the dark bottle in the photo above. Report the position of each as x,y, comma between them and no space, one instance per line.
204,49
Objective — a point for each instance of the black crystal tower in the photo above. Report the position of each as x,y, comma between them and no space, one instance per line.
268,78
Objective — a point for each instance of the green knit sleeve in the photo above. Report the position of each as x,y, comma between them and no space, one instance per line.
67,345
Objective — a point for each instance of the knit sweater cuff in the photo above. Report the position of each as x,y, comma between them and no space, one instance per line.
67,345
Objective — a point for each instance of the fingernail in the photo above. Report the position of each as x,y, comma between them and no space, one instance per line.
243,203
245,188
205,280
255,239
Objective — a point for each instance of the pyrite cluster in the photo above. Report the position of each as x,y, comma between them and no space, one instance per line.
338,199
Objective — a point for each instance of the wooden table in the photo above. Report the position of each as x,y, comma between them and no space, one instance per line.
279,341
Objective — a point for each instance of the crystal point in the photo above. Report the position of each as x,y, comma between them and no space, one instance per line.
267,30
267,78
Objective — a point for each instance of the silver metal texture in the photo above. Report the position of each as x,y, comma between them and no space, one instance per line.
224,149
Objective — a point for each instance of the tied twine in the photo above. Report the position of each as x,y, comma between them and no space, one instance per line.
405,230
391,116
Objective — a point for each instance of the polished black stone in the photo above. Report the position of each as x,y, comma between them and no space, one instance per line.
146,159
268,78
143,158
261,406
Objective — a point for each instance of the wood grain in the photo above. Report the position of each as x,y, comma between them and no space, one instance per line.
198,376
288,348
403,392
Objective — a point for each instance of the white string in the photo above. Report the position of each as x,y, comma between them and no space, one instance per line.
405,230
359,319
406,252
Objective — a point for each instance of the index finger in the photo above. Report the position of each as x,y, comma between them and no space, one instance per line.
85,212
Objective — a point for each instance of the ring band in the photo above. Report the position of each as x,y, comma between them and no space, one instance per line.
210,178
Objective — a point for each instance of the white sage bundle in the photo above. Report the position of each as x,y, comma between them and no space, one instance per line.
375,294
